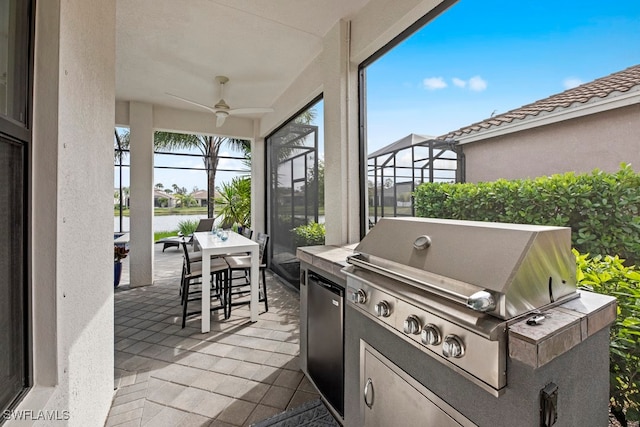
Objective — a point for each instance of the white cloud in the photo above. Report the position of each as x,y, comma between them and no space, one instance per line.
571,82
477,84
459,82
434,83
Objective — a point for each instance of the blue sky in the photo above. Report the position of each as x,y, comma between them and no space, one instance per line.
484,56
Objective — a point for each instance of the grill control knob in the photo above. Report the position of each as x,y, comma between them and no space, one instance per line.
430,335
412,325
359,297
452,346
382,309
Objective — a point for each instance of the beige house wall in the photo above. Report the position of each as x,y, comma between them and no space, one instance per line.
602,140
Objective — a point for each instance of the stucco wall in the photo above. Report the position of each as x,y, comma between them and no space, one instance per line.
601,140
72,231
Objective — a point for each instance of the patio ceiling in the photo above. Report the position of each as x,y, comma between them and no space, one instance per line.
178,47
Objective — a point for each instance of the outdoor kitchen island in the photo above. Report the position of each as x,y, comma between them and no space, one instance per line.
405,368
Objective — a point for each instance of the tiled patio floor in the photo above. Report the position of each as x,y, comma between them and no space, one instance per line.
237,374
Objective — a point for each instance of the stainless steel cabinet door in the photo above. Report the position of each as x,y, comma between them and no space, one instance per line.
392,398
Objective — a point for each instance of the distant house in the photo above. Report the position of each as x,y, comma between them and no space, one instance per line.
201,197
163,200
595,125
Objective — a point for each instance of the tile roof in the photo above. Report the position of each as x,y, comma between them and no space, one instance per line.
200,194
619,82
160,193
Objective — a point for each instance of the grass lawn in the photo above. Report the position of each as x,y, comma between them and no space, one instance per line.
162,234
167,211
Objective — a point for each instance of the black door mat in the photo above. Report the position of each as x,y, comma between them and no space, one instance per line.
310,414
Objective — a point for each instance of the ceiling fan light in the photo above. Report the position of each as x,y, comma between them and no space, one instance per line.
220,118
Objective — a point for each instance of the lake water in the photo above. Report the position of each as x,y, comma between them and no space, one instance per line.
160,223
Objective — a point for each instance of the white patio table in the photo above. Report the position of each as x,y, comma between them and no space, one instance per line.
212,245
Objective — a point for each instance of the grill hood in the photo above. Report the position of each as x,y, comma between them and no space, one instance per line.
517,268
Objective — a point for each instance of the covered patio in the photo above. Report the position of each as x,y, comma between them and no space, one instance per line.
93,66
237,374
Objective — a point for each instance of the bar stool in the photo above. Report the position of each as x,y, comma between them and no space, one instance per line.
192,275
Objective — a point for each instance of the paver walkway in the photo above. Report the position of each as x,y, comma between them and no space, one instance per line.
237,374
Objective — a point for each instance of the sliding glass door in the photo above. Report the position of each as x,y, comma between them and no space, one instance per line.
12,280
296,188
16,19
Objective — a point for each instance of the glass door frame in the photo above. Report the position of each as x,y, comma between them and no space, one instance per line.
271,206
16,129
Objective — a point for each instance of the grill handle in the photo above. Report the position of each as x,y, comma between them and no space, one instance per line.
465,300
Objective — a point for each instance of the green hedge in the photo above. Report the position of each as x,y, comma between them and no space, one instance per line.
601,208
607,275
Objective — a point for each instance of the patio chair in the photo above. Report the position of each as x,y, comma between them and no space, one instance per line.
247,232
243,263
193,275
205,224
168,242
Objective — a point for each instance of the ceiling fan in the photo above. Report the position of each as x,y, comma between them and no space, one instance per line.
222,109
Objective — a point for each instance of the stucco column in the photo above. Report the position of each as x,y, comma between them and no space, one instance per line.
141,193
341,162
258,182
71,316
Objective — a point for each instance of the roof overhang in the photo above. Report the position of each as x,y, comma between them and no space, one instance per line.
613,101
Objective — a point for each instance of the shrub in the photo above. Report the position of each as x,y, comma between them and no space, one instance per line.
608,275
309,235
234,202
601,208
188,226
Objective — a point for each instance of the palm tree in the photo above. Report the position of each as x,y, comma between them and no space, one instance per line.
178,190
186,200
235,201
209,146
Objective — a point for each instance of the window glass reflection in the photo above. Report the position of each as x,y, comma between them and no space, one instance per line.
14,53
4,54
296,181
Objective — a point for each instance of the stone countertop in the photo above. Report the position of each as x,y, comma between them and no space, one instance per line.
329,258
564,327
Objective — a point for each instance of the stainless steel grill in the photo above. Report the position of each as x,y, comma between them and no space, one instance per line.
452,287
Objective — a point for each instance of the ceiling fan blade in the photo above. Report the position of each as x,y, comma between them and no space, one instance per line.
188,101
250,110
